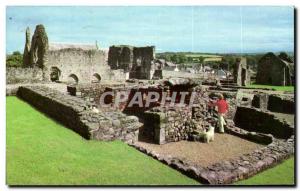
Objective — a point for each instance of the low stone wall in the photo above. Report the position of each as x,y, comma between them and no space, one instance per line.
253,119
229,171
92,92
89,92
76,114
282,104
274,102
23,75
175,124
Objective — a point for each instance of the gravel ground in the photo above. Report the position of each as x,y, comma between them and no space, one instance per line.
224,147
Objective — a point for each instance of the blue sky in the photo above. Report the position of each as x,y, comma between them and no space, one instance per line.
211,29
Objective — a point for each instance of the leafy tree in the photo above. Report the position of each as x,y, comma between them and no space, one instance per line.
174,58
190,59
201,59
14,60
182,58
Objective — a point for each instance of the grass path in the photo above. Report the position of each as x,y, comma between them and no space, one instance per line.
42,152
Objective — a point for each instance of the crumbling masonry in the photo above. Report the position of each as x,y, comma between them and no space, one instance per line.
79,63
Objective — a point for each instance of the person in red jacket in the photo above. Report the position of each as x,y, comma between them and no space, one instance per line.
222,110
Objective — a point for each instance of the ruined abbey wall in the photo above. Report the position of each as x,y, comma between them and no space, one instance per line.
71,63
85,66
23,75
138,62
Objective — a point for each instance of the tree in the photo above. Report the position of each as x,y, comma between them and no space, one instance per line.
201,59
182,58
228,61
190,59
174,58
17,53
14,60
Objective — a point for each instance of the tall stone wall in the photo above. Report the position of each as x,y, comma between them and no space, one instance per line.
76,114
271,70
137,61
86,65
241,72
143,62
23,75
26,53
37,55
68,63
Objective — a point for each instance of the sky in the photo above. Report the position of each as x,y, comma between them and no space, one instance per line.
209,29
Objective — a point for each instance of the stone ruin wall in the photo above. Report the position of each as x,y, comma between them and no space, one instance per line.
163,124
228,171
279,142
76,114
178,124
23,75
266,101
146,55
270,71
138,62
84,64
252,124
241,66
255,120
168,126
35,51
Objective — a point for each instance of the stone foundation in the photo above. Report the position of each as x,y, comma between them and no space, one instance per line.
229,171
253,119
76,114
281,104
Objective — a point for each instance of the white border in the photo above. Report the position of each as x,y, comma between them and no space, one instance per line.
5,3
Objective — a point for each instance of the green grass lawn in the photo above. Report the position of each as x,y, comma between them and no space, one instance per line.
282,174
277,88
43,152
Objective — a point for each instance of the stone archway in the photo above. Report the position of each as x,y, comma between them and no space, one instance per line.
73,79
96,78
55,73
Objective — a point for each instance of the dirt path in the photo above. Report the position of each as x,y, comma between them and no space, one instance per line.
224,147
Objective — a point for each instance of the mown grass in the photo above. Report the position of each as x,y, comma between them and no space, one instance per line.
282,174
43,152
277,88
40,151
